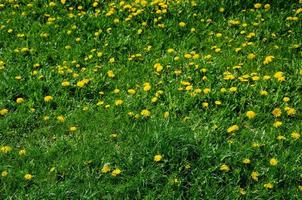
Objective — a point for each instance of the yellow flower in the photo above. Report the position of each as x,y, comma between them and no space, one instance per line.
119,102
110,74
258,5
22,152
273,162
281,137
267,6
182,24
106,168
221,9
295,135
28,177
3,111
233,128
166,114
48,98
255,175
242,191
286,99
279,76
268,185
251,56
6,149
233,89
263,93
19,100
291,111
158,67
65,83
63,1
72,129
61,118
147,87
250,114
206,90
157,158
246,161
131,91
277,112
268,59
145,113
116,172
277,124
205,104
224,168
4,173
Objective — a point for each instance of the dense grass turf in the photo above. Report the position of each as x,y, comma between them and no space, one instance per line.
150,99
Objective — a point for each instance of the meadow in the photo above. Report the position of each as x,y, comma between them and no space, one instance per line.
150,99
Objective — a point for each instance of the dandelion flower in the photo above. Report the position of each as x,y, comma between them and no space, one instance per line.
157,158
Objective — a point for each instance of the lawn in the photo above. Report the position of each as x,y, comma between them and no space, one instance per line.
161,99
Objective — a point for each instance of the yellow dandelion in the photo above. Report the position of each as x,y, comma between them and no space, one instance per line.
157,158
116,172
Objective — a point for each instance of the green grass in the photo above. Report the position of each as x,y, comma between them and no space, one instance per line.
205,86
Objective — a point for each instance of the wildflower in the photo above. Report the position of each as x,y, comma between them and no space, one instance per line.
48,98
65,83
279,76
182,24
268,59
281,137
295,135
268,185
116,172
273,162
263,93
166,114
19,100
267,6
218,102
158,67
105,168
255,175
28,177
250,114
221,9
6,149
4,173
119,102
258,5
22,152
61,118
233,89
110,74
131,91
206,90
291,111
286,99
242,191
246,161
251,56
147,87
277,124
277,112
3,111
145,113
233,128
157,158
72,129
224,168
